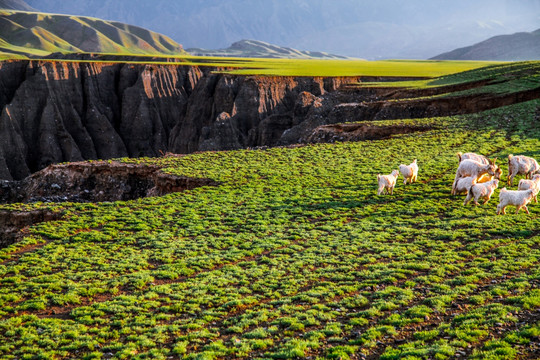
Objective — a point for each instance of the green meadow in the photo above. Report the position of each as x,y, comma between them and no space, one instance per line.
292,256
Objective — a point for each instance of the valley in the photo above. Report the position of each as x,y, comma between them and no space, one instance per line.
157,204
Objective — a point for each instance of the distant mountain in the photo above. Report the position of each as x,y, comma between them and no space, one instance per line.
515,47
357,28
261,49
15,5
40,34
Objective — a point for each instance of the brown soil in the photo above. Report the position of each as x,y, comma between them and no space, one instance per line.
13,223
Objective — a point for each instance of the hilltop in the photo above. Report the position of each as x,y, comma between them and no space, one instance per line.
40,34
261,49
515,47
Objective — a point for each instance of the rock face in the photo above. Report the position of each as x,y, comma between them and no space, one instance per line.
55,111
69,111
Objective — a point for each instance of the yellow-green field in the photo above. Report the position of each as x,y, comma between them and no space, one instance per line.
306,67
302,67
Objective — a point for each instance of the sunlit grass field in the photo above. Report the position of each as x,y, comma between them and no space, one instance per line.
292,256
383,68
307,67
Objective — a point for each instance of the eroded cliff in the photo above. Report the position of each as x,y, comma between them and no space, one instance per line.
59,111
68,111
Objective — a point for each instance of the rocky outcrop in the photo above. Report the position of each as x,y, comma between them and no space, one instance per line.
69,111
96,181
230,112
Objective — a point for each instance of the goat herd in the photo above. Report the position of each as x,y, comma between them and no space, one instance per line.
478,177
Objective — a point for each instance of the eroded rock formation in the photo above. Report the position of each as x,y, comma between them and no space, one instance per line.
58,111
96,181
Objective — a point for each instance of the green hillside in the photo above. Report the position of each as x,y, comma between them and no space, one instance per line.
40,34
292,255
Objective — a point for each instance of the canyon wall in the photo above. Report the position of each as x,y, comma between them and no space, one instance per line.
59,111
64,111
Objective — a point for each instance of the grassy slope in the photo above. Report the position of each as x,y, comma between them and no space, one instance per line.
497,76
293,255
494,80
39,34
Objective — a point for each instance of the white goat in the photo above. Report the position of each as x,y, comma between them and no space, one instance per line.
517,198
472,156
387,182
521,164
474,169
534,184
484,190
464,184
409,172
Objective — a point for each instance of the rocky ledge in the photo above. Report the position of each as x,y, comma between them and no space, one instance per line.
96,181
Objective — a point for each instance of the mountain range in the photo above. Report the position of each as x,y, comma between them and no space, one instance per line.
376,30
254,48
356,28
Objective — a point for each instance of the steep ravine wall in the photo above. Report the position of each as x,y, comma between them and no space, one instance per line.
68,111
58,111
